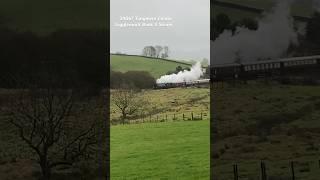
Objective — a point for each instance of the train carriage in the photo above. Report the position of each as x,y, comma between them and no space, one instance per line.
269,68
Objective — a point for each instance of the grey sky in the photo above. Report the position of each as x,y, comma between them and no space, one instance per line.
188,38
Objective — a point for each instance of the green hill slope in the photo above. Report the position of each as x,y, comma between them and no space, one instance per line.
156,67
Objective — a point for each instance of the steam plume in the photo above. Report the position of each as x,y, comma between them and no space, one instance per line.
271,40
316,5
183,76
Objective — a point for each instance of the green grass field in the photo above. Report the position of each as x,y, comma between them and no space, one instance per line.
274,123
174,150
156,67
166,150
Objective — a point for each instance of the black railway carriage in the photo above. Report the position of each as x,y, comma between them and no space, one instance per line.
255,70
303,66
226,71
270,68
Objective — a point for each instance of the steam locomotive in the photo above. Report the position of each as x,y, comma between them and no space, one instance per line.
196,83
270,68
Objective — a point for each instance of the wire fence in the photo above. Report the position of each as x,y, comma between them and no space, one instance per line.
164,117
294,170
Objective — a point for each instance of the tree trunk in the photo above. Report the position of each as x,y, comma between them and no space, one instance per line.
45,169
124,116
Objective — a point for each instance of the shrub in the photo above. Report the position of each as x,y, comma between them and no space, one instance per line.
131,79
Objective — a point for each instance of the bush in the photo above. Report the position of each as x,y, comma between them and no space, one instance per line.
131,79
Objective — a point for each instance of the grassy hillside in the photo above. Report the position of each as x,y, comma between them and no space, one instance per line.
156,67
274,123
171,101
46,16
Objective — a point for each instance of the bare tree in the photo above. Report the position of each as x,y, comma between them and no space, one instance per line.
149,51
43,119
158,50
127,101
166,52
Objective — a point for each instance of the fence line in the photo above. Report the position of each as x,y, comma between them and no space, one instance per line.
164,117
263,170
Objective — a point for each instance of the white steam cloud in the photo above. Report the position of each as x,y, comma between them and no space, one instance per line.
271,40
183,76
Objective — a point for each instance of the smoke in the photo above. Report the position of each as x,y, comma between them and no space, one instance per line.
316,5
271,40
183,76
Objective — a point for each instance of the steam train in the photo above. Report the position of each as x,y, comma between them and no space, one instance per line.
270,68
253,70
196,83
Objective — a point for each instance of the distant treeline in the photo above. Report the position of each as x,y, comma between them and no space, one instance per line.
70,58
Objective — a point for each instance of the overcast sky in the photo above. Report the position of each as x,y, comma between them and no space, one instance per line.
187,38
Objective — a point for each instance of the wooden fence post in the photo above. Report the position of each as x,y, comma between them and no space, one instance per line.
157,118
201,116
235,172
183,116
263,171
174,117
292,170
166,117
192,116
